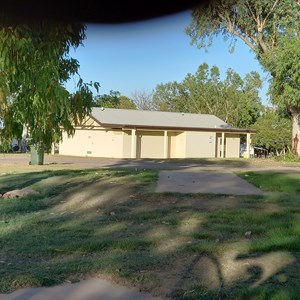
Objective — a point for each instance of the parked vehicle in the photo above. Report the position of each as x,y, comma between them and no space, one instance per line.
255,151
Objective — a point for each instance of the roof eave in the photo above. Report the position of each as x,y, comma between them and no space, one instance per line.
177,128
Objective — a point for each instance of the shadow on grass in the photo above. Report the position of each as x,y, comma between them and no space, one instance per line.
95,162
180,163
22,180
188,246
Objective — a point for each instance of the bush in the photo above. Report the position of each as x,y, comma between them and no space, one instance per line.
288,157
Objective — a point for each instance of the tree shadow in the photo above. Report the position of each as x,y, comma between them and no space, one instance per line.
185,246
175,163
21,180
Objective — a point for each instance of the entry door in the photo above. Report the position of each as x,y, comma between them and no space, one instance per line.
219,147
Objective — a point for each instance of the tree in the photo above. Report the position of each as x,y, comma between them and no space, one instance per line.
169,97
285,86
248,103
114,100
142,100
261,24
234,100
273,132
109,101
126,103
34,65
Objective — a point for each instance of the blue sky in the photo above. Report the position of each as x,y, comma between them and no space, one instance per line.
138,56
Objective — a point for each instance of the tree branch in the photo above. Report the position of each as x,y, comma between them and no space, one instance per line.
260,21
271,10
238,34
252,13
233,31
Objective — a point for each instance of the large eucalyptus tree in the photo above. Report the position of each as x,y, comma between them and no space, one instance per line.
262,25
34,66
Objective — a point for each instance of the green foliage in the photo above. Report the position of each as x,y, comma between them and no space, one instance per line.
259,23
288,157
126,103
284,63
234,100
270,28
109,101
34,64
273,131
113,100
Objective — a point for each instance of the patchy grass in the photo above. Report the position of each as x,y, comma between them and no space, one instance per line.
274,181
110,223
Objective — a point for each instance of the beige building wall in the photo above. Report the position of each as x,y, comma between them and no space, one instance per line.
176,144
127,144
69,145
100,142
150,144
172,144
232,146
200,144
219,145
96,143
178,149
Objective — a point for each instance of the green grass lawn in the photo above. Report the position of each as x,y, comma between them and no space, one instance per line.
274,181
110,222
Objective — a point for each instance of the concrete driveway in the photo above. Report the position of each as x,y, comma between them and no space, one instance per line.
92,289
208,182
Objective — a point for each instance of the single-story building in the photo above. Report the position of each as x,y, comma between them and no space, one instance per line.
125,133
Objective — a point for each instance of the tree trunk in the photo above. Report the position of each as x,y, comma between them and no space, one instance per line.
295,115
